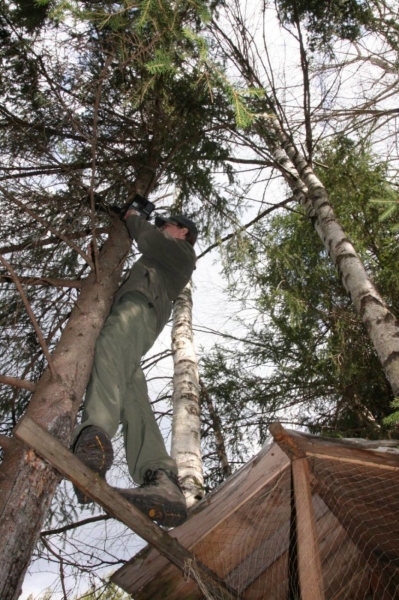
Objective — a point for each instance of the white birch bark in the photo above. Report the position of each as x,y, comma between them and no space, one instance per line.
380,323
186,426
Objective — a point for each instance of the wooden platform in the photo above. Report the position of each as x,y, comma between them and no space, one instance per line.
307,518
247,530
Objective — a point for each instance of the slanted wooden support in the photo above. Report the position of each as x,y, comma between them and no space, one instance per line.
309,564
51,449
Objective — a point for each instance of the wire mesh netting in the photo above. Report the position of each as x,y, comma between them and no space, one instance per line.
254,549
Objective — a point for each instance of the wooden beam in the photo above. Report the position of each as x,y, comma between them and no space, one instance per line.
286,442
331,449
51,449
296,444
309,565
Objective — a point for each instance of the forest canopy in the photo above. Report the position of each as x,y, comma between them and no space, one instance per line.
252,120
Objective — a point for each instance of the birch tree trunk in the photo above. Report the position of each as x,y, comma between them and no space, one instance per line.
380,323
186,426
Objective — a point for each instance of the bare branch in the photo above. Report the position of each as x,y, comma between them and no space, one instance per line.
75,525
251,161
31,315
18,383
255,220
45,281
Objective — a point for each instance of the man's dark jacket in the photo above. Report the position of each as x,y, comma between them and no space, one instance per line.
163,270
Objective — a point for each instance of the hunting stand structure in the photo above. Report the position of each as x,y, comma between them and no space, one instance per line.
308,518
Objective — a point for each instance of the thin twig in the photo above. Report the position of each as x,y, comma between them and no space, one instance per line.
18,383
75,525
32,317
35,216
62,578
46,281
255,220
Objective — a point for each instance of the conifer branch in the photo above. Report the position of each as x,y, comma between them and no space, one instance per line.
32,317
35,216
217,428
29,244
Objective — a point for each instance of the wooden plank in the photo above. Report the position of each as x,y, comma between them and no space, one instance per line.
234,539
267,553
309,566
209,514
327,449
381,554
273,585
113,503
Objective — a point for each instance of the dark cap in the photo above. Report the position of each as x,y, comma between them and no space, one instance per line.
180,220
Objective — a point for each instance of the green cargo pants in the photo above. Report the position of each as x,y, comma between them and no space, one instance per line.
117,390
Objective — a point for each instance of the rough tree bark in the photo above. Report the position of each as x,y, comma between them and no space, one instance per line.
186,426
217,429
27,483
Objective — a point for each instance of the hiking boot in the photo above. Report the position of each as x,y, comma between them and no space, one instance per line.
160,498
94,448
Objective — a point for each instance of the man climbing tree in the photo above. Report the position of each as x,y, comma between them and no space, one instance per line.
117,389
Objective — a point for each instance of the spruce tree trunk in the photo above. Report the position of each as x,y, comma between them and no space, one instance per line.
186,427
380,323
217,430
27,483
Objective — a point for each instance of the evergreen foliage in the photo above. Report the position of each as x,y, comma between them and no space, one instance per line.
326,22
105,592
344,19
93,95
306,358
100,93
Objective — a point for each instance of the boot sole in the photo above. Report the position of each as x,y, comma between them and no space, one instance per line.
100,461
164,512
